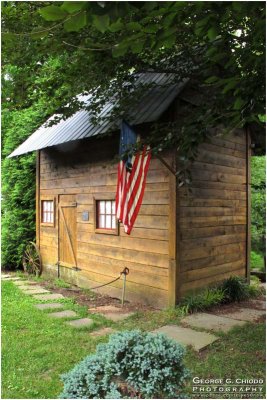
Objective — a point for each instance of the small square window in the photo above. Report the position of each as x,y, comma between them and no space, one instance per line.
47,212
105,218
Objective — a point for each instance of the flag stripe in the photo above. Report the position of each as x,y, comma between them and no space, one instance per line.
131,180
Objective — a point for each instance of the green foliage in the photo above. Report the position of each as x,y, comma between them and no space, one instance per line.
256,261
258,204
18,185
254,288
204,300
102,43
131,364
61,283
235,289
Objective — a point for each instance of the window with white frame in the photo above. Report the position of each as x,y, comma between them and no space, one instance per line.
47,212
106,216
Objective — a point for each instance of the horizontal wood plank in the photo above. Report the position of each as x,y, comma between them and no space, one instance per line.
210,281
216,148
210,261
151,246
207,272
200,222
135,276
211,211
158,260
212,231
119,265
201,252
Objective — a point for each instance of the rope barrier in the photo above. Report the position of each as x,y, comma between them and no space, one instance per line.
124,272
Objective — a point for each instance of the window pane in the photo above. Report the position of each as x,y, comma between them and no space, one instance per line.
102,221
108,207
102,207
47,211
108,221
113,222
113,207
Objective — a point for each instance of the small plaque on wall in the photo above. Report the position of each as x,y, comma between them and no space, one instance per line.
85,216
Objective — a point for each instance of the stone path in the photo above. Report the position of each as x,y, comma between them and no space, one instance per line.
259,304
3,276
185,334
49,306
25,283
111,312
35,290
187,337
52,296
246,314
211,322
63,314
39,293
11,278
80,323
102,332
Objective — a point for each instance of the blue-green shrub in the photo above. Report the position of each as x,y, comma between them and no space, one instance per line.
131,364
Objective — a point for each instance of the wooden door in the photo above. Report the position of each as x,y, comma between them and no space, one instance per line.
67,230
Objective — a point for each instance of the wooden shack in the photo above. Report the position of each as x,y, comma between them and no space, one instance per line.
184,239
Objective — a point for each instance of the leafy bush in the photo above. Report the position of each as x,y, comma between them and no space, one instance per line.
235,289
206,299
131,364
256,261
258,203
18,184
254,288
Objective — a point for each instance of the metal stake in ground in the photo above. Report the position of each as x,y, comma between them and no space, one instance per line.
124,272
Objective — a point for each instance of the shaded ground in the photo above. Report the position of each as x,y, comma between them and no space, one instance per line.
86,297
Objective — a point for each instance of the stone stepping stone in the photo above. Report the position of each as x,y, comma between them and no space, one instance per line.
111,312
245,314
80,323
211,322
27,287
103,332
4,276
36,291
12,279
63,314
49,306
259,304
187,336
25,283
53,296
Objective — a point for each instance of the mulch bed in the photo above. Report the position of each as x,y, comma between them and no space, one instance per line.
93,299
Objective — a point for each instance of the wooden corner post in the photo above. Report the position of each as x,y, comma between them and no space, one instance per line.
37,197
173,277
248,205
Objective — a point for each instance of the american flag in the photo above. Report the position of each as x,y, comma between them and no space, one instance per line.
132,172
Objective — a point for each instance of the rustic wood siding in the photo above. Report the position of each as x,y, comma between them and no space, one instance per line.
213,214
101,257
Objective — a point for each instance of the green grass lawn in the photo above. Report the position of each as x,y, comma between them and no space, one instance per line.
256,261
37,349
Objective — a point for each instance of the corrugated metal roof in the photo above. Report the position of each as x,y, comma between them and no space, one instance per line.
152,104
